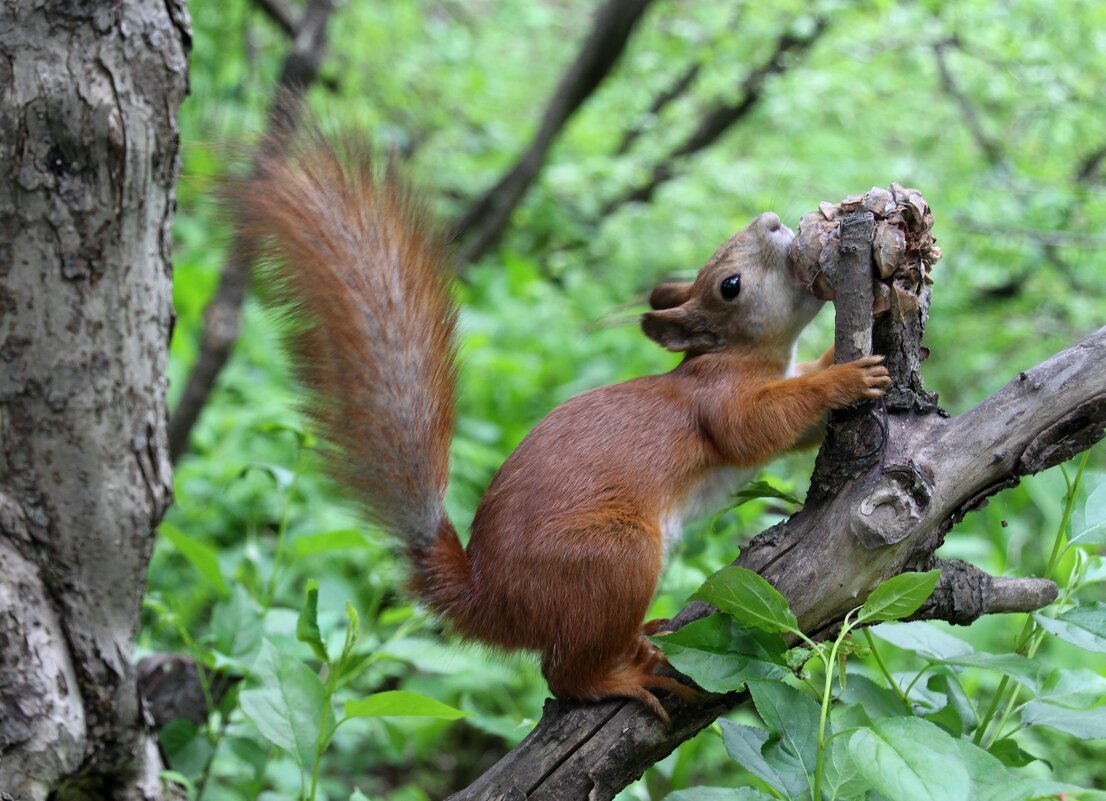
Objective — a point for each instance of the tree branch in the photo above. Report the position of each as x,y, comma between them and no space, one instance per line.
989,146
965,593
677,88
281,14
870,514
720,118
223,315
484,221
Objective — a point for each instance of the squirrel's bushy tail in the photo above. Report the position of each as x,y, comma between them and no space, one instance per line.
345,254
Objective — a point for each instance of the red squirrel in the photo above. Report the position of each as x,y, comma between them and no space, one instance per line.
568,543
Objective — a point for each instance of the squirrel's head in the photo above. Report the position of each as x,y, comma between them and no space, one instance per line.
750,294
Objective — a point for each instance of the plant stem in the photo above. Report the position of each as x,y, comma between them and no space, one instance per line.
886,673
201,783
829,662
278,556
1029,627
320,744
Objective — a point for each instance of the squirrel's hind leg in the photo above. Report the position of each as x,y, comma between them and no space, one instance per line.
629,677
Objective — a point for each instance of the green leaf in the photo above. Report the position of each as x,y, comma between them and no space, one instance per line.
991,780
792,715
1086,724
1009,753
924,700
1019,789
749,599
402,704
281,476
345,539
307,626
958,714
185,747
1084,626
287,707
721,656
747,745
762,489
177,777
1015,666
899,596
1077,688
985,771
841,777
357,795
922,638
1088,526
353,634
200,556
850,716
236,624
878,701
909,759
281,426
718,794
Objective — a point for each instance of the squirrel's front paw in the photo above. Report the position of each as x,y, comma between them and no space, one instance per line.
863,379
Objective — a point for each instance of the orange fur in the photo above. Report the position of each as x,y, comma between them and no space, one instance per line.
568,543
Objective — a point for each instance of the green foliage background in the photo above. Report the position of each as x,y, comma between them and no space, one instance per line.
551,311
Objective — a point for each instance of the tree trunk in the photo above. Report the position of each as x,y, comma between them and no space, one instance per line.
89,101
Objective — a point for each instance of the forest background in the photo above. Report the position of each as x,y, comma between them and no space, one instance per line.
994,110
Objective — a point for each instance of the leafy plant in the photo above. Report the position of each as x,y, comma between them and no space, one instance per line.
290,698
911,740
293,707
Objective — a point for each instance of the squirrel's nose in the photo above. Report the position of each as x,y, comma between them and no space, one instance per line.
770,220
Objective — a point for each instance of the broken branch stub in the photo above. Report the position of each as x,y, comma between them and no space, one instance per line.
903,246
902,254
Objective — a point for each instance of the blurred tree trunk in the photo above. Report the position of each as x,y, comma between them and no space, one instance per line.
89,101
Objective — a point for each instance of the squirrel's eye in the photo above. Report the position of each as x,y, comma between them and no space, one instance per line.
730,287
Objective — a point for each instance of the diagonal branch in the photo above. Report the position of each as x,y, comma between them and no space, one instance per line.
223,315
990,147
660,102
484,221
280,13
722,117
868,517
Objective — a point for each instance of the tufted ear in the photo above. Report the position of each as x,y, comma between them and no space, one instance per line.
667,296
676,329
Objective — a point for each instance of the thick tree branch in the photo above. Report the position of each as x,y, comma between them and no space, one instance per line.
871,514
484,221
223,315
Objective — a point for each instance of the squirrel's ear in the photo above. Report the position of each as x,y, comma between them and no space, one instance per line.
666,296
674,329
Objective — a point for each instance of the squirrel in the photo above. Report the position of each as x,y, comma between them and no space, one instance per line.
568,543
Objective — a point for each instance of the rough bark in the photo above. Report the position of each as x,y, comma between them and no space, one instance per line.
889,483
484,221
89,98
223,315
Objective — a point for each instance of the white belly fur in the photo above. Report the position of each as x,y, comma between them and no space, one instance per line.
713,492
